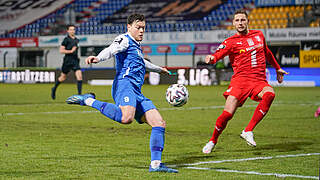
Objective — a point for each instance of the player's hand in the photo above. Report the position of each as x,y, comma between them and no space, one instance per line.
74,48
208,59
91,59
280,73
165,70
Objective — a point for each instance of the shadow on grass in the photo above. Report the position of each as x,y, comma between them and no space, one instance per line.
278,147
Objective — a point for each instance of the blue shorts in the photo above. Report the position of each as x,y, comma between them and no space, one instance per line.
124,93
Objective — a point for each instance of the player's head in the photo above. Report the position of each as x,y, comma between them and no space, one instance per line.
71,29
241,21
136,26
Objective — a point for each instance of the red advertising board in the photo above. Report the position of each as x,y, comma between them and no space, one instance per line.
19,42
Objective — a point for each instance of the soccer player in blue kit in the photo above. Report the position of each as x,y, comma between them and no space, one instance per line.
130,103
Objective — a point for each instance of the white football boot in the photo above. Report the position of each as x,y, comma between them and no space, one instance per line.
208,147
248,136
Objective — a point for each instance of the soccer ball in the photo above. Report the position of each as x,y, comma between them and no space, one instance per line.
177,95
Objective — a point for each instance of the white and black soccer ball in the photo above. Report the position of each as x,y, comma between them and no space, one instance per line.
177,95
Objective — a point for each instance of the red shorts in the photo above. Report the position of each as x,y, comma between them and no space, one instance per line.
242,89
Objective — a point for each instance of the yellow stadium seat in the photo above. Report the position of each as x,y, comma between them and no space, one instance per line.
309,7
286,9
292,8
283,15
264,10
254,10
273,15
267,16
275,9
281,9
259,10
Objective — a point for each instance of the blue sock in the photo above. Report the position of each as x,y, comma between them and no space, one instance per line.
110,110
157,142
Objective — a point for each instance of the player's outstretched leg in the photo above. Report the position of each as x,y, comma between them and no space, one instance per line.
108,109
80,99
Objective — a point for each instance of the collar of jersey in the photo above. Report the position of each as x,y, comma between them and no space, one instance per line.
133,38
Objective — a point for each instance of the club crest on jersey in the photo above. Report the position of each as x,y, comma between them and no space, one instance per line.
242,51
250,42
258,38
221,46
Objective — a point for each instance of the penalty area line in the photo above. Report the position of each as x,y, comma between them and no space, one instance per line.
249,159
255,173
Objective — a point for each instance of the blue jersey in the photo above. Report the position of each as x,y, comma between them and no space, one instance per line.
129,59
130,63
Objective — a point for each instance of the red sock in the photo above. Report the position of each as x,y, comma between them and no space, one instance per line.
261,110
221,123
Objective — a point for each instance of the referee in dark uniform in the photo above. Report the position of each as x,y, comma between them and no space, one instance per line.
69,47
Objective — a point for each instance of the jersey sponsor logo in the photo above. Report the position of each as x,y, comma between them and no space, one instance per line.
254,47
239,43
127,72
242,51
250,42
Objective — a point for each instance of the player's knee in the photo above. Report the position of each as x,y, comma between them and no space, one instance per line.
162,123
157,123
269,96
127,119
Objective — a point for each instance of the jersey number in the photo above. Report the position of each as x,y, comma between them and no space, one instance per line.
254,62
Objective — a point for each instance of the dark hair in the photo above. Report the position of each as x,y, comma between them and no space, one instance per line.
135,17
241,11
70,25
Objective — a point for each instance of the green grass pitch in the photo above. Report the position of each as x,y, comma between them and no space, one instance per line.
42,138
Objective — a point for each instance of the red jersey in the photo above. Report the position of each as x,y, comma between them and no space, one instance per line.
248,54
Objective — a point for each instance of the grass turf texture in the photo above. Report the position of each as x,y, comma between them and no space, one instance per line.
46,139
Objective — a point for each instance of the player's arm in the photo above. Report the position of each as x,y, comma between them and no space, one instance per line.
63,46
154,68
121,43
272,60
223,50
64,51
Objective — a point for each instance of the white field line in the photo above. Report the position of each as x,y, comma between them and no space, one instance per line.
256,173
160,109
190,166
249,159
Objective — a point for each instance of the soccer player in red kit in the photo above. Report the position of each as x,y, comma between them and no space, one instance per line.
248,52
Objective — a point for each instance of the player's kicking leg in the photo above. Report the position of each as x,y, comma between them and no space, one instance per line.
108,109
80,99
